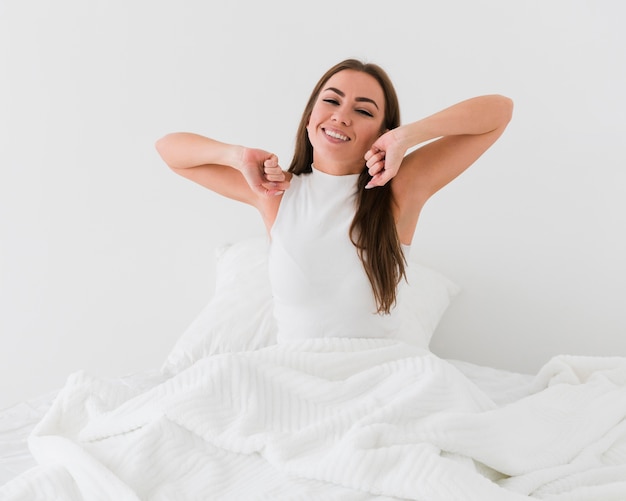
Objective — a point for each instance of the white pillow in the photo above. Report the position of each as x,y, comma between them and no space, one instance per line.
239,317
425,298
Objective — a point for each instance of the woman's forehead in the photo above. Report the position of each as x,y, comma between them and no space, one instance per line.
356,84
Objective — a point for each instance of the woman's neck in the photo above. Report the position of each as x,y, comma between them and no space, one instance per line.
338,168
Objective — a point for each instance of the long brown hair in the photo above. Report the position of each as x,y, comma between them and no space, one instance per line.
373,229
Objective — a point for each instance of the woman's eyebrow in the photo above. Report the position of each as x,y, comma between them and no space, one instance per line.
360,99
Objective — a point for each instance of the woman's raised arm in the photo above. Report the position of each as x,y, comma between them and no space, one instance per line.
458,136
247,175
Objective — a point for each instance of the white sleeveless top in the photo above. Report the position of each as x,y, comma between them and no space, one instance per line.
319,285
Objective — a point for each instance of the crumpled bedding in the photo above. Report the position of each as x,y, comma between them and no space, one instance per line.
334,419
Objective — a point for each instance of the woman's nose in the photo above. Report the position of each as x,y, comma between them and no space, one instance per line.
341,116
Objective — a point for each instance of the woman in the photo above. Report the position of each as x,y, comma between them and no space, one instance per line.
361,203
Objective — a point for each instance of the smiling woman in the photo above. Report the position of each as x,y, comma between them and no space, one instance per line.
344,102
351,125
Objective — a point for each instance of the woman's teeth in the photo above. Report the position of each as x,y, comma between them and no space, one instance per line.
336,135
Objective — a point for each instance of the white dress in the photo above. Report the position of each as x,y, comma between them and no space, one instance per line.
319,284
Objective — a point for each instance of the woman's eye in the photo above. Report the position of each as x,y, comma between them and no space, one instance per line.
365,112
331,101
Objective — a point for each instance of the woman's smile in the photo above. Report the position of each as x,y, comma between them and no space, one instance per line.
335,134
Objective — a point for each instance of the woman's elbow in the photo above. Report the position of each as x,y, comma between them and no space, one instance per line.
505,107
163,146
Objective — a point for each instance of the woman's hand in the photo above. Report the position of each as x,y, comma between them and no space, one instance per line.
262,172
383,159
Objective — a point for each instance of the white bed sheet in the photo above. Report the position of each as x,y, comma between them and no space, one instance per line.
17,421
335,418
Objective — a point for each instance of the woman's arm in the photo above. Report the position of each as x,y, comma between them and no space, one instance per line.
247,175
459,135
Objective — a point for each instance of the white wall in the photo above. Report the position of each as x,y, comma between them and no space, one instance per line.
106,256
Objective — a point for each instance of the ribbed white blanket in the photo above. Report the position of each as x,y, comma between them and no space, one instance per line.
334,419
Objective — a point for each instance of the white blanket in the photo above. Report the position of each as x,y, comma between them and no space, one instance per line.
334,419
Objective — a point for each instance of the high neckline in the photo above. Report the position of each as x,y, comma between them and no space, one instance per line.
337,176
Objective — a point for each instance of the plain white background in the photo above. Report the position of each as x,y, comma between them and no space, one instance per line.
106,256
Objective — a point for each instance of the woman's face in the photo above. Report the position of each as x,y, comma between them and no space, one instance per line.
346,119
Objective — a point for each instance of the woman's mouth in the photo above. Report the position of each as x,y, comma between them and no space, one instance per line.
336,135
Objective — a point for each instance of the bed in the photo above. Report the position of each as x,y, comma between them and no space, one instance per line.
233,415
